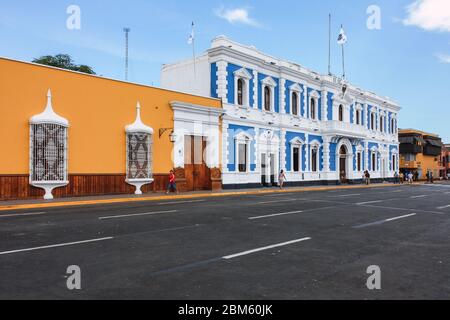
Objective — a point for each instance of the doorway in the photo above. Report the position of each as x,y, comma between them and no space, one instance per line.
263,169
343,165
196,170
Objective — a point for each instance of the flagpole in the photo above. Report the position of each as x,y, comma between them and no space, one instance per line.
193,51
329,44
343,57
343,62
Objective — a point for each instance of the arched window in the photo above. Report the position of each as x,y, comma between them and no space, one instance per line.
48,150
267,99
358,117
313,108
341,112
139,153
240,92
392,126
295,103
314,159
372,121
374,161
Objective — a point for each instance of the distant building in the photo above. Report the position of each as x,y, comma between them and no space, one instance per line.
445,160
283,116
420,153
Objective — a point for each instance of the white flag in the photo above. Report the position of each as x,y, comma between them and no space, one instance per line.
192,35
342,39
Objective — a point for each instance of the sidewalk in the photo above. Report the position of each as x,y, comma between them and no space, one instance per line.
111,199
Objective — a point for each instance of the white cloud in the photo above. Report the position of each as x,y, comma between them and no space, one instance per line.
237,15
443,58
430,15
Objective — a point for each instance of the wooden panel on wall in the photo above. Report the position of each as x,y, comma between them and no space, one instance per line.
15,187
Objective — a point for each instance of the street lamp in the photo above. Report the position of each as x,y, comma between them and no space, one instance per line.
173,136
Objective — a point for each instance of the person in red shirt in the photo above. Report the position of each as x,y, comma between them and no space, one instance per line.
172,186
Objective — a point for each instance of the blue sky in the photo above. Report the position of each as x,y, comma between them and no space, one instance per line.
408,59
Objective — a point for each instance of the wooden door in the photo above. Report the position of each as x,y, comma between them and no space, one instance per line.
343,169
196,171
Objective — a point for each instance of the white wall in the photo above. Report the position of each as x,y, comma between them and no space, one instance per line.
181,76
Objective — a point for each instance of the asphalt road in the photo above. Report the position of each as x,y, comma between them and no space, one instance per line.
311,245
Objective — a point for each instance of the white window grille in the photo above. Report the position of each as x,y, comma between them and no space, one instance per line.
139,153
48,150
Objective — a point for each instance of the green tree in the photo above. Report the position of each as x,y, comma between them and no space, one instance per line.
63,61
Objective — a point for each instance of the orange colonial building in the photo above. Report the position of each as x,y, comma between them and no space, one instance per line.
84,136
420,153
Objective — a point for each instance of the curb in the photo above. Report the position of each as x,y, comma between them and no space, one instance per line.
180,197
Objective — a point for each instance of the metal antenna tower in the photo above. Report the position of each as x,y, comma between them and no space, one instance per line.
127,32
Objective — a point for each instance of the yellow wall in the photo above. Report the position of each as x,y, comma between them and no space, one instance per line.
428,163
98,110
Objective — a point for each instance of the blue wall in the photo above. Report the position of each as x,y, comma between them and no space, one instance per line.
261,77
231,89
233,130
290,136
214,80
330,106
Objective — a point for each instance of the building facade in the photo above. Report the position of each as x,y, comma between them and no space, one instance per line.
282,116
90,135
420,153
445,160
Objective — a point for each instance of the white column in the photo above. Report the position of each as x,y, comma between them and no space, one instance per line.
225,146
282,91
366,116
307,152
222,83
366,155
258,166
283,149
305,101
255,89
326,154
324,105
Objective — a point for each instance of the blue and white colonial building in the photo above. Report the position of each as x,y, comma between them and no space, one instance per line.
282,116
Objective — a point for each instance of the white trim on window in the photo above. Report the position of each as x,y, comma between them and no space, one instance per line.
240,139
314,96
246,77
271,84
297,143
295,88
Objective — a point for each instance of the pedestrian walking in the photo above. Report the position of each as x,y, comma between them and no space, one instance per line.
367,177
282,179
172,186
396,178
402,177
410,178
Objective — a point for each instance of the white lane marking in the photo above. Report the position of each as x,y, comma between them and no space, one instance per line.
56,245
369,202
401,217
375,201
444,207
264,248
276,201
137,214
384,221
22,214
177,202
421,196
274,215
347,195
404,209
